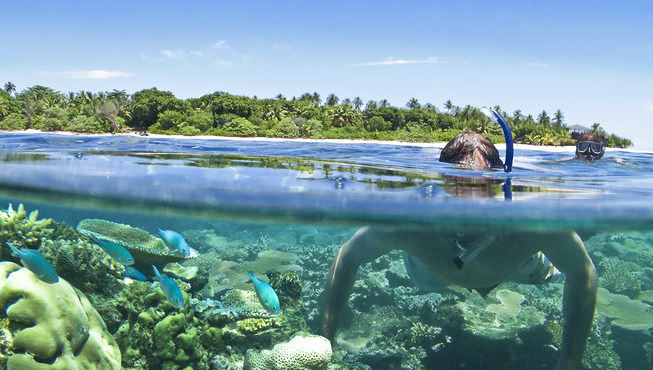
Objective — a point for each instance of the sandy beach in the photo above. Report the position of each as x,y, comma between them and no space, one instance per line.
501,146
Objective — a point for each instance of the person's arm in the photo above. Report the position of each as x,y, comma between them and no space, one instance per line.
365,246
567,253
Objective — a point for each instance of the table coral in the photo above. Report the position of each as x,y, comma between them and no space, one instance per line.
58,328
146,248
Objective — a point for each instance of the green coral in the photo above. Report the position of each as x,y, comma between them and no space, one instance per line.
21,229
619,277
6,342
54,322
255,325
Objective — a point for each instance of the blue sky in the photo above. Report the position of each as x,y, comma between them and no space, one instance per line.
592,60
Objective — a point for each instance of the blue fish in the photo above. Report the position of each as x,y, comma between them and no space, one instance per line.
116,251
36,263
170,288
266,294
134,274
175,242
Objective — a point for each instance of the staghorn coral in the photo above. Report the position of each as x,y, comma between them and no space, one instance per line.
56,326
21,229
301,352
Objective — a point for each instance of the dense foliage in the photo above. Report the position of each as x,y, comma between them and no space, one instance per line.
223,114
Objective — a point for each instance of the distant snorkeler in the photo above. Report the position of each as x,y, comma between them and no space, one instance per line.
590,147
473,259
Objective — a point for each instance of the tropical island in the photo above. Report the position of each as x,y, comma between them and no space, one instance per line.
223,114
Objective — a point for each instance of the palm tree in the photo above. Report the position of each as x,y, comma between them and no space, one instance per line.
384,103
448,105
10,87
316,98
558,117
371,105
543,118
358,103
332,100
413,104
3,107
430,108
517,115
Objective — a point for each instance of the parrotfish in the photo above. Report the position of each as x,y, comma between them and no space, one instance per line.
134,274
36,263
116,251
175,242
266,294
170,288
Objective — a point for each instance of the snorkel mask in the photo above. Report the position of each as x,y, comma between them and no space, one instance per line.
590,149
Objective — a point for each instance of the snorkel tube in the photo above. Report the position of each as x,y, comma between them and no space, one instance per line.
510,151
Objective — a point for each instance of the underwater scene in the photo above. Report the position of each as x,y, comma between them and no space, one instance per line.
193,253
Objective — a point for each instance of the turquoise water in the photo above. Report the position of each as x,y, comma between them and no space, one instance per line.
238,202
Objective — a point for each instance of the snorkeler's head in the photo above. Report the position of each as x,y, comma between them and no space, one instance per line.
589,146
471,149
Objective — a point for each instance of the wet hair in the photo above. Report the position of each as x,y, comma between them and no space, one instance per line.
471,149
590,136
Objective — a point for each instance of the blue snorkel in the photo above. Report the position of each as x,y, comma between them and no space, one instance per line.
510,151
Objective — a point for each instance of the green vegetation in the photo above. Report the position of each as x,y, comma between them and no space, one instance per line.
223,114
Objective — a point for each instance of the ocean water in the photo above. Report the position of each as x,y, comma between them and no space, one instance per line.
286,207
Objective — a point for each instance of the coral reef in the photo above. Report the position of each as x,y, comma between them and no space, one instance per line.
146,249
21,229
54,324
301,352
619,277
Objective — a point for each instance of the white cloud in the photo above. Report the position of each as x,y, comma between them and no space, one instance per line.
196,53
222,44
537,65
174,54
650,107
96,74
221,63
392,61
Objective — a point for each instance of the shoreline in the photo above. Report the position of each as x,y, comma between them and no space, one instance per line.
440,145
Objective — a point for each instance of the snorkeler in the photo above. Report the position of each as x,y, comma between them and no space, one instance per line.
590,147
474,259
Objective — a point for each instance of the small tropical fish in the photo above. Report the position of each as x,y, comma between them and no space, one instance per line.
134,274
266,294
36,263
175,242
116,251
170,288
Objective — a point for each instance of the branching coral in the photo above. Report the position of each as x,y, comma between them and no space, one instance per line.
22,229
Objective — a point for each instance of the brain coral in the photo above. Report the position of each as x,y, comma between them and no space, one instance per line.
54,325
311,352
